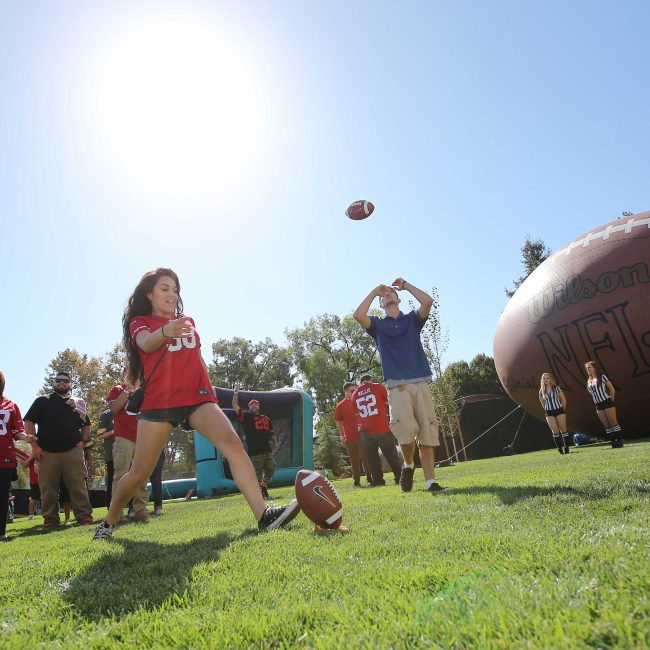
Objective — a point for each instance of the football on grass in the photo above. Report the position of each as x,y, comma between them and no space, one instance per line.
359,210
319,499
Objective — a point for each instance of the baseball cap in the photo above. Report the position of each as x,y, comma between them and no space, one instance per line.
254,401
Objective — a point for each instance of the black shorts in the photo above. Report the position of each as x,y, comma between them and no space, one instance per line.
34,491
553,413
607,404
177,415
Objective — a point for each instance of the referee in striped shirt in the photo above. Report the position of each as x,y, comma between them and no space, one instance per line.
602,391
553,402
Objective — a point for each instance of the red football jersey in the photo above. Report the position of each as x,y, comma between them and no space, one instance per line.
33,472
11,422
346,414
370,400
180,379
124,425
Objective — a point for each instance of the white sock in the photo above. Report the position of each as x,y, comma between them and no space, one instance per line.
430,482
412,465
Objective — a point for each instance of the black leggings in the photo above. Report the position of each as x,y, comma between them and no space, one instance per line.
6,475
156,482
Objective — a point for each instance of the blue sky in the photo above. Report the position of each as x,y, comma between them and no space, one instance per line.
226,139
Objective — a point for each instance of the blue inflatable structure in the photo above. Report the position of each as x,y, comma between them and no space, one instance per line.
291,412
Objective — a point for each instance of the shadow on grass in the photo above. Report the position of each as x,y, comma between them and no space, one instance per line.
512,495
145,575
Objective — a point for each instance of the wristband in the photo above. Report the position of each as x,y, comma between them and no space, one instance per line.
162,330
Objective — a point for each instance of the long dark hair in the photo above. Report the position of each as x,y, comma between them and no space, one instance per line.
597,368
140,305
2,383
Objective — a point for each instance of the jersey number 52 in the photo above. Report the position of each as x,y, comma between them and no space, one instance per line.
367,406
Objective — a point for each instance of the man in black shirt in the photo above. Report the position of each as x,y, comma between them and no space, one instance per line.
260,440
63,429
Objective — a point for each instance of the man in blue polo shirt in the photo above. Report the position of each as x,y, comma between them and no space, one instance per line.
407,375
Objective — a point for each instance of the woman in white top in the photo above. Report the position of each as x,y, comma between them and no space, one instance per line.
603,393
553,402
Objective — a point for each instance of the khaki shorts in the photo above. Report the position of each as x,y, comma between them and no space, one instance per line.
264,465
412,416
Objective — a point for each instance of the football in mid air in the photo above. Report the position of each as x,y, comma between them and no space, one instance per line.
359,210
319,499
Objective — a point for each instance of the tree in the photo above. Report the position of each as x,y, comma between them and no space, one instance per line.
533,253
476,377
255,366
435,341
328,452
328,351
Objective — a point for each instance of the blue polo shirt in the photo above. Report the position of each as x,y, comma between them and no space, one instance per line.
400,348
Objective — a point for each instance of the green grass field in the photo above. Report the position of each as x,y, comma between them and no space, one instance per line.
531,551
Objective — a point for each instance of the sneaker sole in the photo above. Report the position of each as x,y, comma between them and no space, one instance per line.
443,491
288,515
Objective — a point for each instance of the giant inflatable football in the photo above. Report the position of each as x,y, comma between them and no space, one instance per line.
590,300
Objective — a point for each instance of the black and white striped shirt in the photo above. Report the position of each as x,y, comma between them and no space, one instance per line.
598,391
551,399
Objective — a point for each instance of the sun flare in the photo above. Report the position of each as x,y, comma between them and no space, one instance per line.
178,108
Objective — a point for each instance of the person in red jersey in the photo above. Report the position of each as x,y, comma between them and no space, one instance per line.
347,422
34,487
125,431
371,402
11,428
164,352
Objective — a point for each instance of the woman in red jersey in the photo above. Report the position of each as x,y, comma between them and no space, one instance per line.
177,392
11,428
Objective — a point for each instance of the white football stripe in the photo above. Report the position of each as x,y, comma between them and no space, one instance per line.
310,479
334,517
365,207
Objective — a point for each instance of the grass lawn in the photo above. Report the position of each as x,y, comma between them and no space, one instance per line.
531,551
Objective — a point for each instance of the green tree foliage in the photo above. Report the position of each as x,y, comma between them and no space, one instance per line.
254,366
180,455
476,377
92,379
434,341
328,351
533,253
328,451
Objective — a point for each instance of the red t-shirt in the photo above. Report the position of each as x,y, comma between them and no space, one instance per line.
180,379
370,401
33,474
124,424
11,422
346,413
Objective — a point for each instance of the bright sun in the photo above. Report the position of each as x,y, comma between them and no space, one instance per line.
179,108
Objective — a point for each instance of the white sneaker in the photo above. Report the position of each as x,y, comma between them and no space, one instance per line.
30,517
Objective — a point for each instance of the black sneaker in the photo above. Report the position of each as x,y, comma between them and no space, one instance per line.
104,531
265,494
617,443
278,517
436,488
406,479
